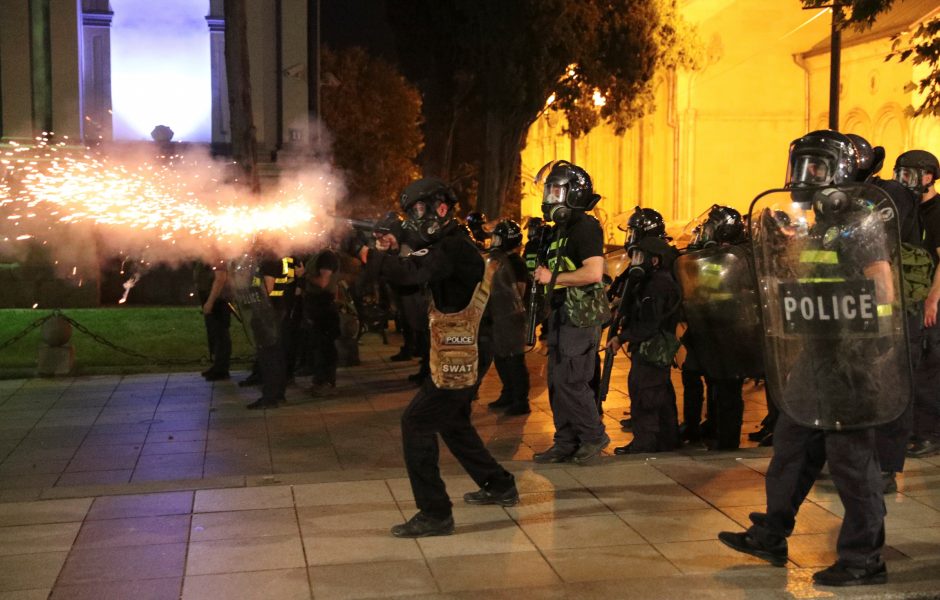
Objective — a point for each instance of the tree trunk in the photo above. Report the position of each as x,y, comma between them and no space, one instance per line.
244,145
504,140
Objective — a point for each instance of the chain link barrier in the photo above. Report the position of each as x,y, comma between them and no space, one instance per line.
104,342
37,323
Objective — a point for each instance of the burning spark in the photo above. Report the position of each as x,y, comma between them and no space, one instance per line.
130,283
154,204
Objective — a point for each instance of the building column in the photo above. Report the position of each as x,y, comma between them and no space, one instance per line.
16,88
221,120
96,70
65,53
294,74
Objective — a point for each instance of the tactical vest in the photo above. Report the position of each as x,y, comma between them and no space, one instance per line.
281,283
585,306
455,351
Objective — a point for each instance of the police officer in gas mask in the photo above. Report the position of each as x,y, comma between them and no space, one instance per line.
917,171
835,351
578,308
448,263
475,222
651,306
413,299
723,339
509,319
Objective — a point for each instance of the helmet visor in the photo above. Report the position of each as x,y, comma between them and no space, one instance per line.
810,169
418,210
633,236
554,194
908,177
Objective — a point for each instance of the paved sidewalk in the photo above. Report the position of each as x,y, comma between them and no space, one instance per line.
164,486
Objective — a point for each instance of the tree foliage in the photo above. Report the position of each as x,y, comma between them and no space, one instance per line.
922,46
490,66
374,116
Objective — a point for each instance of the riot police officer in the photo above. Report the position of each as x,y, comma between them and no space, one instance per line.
723,336
578,308
509,321
643,223
834,352
273,278
475,222
450,265
918,170
414,298
215,296
651,305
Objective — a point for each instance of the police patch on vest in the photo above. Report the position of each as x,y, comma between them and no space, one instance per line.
458,340
828,307
446,368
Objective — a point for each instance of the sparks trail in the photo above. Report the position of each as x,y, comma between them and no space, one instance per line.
44,186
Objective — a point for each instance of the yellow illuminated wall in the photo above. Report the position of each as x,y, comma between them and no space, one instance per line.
721,134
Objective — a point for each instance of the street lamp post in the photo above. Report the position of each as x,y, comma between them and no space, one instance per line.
835,55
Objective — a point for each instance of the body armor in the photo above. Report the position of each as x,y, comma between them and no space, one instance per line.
455,348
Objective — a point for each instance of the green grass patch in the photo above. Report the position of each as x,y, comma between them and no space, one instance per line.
159,333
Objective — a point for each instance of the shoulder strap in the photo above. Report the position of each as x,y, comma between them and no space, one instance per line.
561,244
481,294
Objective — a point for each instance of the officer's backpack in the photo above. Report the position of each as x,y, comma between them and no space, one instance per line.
916,274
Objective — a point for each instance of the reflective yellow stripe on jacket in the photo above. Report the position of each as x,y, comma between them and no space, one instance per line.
286,278
828,258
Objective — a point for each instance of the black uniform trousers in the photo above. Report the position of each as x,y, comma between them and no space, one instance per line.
218,323
725,407
799,455
272,365
515,377
693,397
927,387
652,408
572,354
728,413
436,411
891,439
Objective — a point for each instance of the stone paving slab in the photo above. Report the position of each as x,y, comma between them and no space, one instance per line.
165,487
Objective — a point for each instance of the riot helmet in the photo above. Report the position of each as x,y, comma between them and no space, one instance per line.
533,225
866,154
417,196
820,158
507,235
910,168
438,200
475,222
644,222
565,188
641,256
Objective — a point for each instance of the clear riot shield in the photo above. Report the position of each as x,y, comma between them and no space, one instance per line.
257,313
720,300
828,267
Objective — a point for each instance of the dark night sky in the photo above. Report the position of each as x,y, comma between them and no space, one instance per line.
357,23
